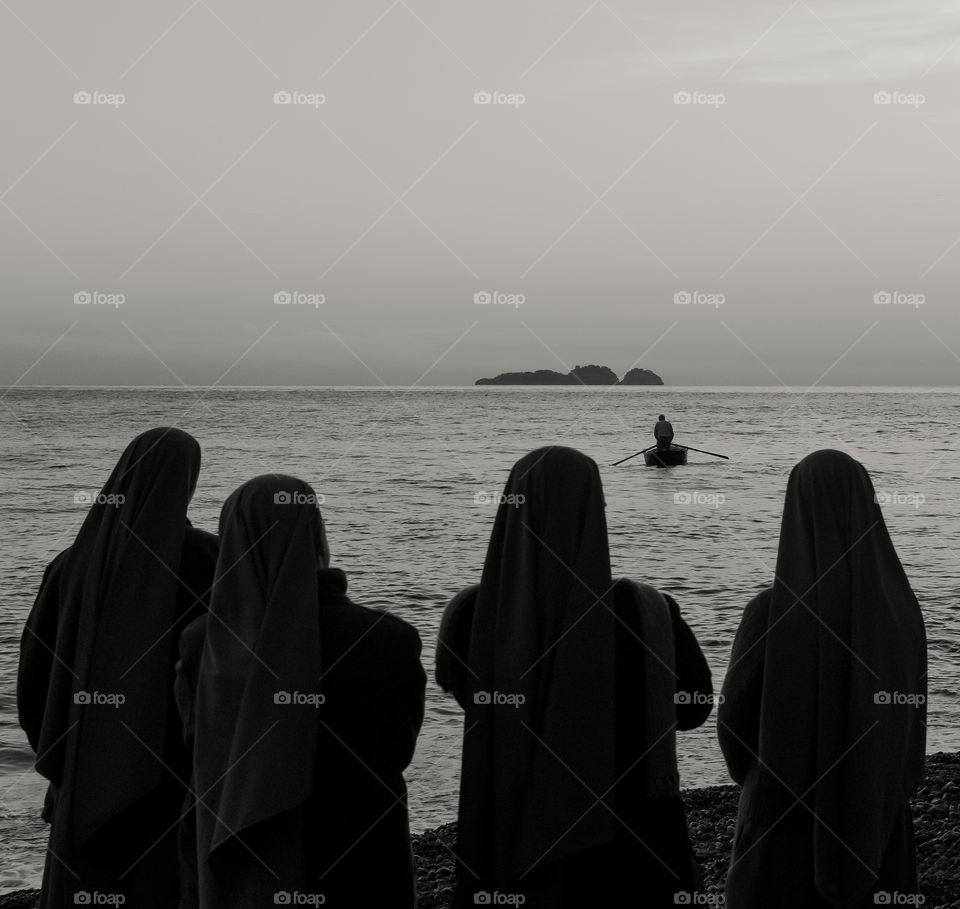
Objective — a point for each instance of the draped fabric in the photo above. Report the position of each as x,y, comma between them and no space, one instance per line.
258,680
660,684
655,657
97,651
538,750
302,709
842,700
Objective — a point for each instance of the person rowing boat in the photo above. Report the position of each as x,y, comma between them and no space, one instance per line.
663,433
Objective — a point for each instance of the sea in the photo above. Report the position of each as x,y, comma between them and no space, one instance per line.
410,477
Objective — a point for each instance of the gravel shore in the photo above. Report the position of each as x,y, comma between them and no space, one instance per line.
710,815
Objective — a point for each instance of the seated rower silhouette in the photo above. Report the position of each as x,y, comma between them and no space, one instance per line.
663,433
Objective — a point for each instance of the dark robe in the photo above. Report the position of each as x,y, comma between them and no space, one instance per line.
827,764
105,623
546,599
322,811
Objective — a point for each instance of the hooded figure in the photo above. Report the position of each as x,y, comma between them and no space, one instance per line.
569,789
825,703
302,710
96,669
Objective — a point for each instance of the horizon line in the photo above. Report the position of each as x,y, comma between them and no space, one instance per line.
386,387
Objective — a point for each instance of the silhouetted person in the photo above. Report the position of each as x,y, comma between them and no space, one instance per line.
823,718
303,711
573,687
663,433
96,671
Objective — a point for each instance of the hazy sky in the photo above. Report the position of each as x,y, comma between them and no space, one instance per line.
588,192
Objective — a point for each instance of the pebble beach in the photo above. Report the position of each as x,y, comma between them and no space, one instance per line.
711,813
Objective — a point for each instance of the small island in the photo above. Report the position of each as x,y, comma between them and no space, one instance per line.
639,376
579,375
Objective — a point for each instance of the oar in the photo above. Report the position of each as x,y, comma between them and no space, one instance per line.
627,458
704,452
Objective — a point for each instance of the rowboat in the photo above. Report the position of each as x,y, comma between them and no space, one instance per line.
673,457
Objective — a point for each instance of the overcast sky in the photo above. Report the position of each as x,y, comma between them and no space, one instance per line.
784,193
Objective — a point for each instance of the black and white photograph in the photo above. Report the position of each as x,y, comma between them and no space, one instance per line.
480,454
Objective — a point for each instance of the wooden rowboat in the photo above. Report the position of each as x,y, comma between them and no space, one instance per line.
673,457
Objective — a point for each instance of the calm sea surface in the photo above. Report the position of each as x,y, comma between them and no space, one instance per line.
400,470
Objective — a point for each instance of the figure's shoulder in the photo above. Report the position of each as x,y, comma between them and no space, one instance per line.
756,614
760,604
55,567
461,605
627,590
382,629
58,562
